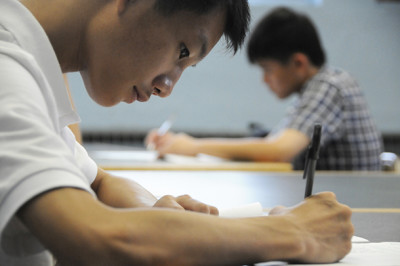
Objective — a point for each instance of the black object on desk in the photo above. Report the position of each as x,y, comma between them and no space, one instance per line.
311,159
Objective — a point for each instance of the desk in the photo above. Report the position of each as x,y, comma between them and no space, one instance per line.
223,166
225,189
139,159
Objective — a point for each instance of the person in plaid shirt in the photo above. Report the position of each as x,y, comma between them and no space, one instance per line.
286,45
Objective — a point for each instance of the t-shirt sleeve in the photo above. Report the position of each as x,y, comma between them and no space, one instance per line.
84,162
34,158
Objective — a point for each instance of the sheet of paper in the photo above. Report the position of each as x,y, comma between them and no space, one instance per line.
147,156
357,239
362,253
131,156
248,210
377,254
200,158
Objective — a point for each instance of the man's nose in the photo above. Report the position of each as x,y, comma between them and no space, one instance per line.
163,84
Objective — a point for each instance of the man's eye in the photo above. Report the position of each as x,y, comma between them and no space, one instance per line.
183,51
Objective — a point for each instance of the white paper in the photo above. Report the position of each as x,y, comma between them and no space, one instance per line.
370,254
200,158
149,156
248,210
362,253
271,263
378,254
357,239
124,156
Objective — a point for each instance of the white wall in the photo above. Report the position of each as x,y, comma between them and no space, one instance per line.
224,93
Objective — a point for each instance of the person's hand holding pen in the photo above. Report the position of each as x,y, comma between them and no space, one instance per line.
156,134
313,216
164,141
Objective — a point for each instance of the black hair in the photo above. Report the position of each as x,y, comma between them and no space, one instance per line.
237,20
283,32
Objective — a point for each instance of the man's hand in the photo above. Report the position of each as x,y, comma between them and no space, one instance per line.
324,225
171,143
185,202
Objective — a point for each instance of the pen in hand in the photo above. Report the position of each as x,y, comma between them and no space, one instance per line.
311,160
162,130
165,127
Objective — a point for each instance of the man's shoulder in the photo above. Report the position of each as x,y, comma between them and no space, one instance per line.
333,74
336,79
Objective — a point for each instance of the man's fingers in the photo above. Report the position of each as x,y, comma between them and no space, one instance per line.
278,210
168,202
191,204
185,202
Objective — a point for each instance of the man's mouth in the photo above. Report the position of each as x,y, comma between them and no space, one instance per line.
140,96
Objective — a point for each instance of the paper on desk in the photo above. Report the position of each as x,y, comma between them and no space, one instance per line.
131,156
362,253
377,254
366,254
357,239
200,158
248,210
152,156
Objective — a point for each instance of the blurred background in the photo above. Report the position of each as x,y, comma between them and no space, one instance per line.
224,95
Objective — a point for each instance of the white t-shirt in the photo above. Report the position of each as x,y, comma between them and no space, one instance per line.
38,152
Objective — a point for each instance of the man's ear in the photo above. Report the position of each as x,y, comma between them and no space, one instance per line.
122,5
303,66
300,60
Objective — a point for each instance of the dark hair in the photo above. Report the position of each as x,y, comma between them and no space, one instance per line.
282,33
237,21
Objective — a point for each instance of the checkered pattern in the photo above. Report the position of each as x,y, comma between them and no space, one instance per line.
350,138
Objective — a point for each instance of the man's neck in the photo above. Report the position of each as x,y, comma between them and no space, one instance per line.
65,30
312,71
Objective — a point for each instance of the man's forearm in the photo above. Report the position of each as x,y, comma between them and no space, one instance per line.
282,147
95,235
188,238
81,231
122,193
247,149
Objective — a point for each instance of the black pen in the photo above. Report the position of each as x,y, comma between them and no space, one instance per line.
311,159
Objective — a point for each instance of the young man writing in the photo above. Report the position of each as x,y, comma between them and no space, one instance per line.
54,199
286,46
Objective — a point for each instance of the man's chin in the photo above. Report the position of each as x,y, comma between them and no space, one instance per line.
90,89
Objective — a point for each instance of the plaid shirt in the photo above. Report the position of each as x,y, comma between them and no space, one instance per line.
350,139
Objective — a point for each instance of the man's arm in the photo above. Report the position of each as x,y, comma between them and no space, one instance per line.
124,193
282,147
79,230
119,192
